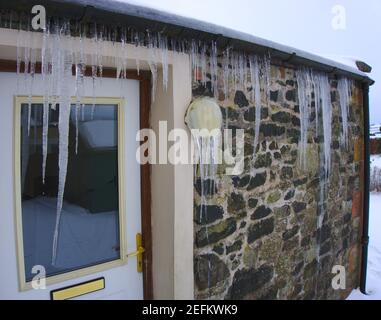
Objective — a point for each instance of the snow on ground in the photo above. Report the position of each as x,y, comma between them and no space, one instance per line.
374,253
375,161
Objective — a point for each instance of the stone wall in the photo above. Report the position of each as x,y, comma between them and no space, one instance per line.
260,237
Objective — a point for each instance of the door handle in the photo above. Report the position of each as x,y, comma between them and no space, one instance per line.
138,253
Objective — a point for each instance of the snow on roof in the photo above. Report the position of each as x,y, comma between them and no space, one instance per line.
353,62
196,28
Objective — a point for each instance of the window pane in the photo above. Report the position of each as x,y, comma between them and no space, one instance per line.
89,225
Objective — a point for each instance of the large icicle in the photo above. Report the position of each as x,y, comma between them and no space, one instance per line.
214,68
94,69
303,77
80,68
226,72
266,67
63,129
27,49
256,97
153,63
242,65
163,46
100,50
45,62
344,90
318,99
326,106
203,64
194,57
207,154
18,59
226,78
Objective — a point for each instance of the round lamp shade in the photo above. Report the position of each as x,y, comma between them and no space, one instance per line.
204,113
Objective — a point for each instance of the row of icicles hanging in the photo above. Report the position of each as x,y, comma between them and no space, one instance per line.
60,51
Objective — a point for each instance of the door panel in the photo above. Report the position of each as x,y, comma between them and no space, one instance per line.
122,281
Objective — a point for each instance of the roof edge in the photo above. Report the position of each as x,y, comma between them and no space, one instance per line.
282,52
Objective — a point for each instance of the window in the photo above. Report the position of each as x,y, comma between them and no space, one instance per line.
91,223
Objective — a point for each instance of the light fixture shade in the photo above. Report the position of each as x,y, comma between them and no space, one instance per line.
204,113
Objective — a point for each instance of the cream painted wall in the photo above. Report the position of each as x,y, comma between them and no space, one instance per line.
172,193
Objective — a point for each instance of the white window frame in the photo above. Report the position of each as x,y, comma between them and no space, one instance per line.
23,284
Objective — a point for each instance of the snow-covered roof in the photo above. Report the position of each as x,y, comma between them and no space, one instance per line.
188,28
353,62
221,33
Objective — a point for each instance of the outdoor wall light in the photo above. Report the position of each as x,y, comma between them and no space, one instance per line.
204,113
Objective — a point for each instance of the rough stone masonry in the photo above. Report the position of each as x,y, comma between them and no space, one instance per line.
259,238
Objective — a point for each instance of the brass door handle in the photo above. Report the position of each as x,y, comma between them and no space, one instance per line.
138,253
140,250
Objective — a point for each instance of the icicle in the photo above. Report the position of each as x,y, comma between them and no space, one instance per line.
203,64
79,82
95,61
118,56
100,54
226,77
63,129
194,56
252,76
27,48
226,72
214,68
57,69
242,69
163,46
317,93
207,157
344,90
325,90
153,68
27,53
256,94
322,99
235,70
152,63
33,58
267,75
94,81
19,59
304,96
80,69
45,114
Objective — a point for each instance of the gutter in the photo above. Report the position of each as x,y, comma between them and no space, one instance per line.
365,222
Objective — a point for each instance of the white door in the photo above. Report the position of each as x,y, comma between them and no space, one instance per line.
98,224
